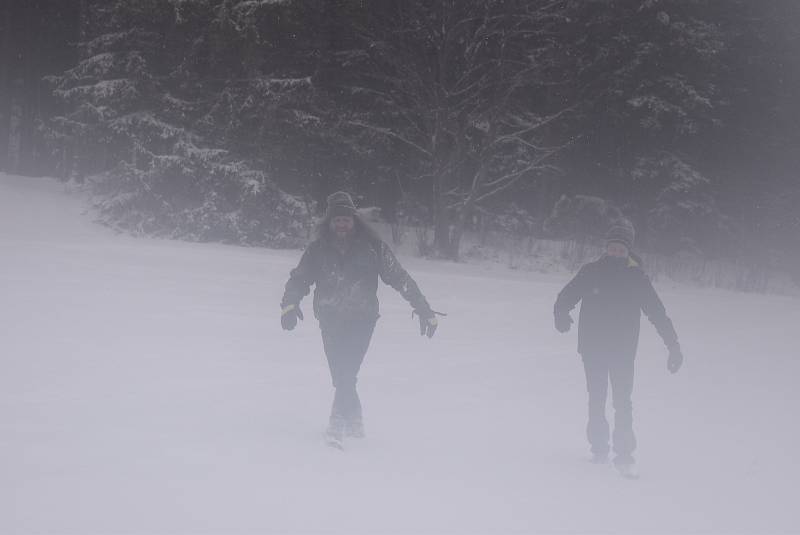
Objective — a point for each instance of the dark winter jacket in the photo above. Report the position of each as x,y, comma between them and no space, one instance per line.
347,282
613,293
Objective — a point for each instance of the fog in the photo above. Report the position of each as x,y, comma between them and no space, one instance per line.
147,387
177,175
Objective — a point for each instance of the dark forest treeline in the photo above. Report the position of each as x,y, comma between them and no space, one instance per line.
229,119
37,38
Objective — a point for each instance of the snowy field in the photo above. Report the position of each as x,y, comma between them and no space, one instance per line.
146,388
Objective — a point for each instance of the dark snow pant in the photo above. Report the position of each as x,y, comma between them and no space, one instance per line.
345,346
601,368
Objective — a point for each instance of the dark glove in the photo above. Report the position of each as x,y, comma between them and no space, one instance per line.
675,359
427,322
563,322
289,316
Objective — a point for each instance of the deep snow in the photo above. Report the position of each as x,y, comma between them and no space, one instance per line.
146,387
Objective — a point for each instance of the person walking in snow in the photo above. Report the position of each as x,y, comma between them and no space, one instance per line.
345,261
613,292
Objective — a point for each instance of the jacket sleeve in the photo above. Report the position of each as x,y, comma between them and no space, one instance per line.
654,309
301,278
393,274
572,292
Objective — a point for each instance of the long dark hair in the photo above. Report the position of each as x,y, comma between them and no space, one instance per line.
361,229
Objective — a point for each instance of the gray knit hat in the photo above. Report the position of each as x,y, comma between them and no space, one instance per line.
340,203
621,231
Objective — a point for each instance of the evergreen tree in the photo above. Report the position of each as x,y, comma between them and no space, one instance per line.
194,117
139,122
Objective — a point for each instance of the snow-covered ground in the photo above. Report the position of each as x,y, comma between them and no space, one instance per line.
146,388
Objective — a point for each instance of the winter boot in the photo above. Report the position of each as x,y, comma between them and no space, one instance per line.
334,435
627,470
354,428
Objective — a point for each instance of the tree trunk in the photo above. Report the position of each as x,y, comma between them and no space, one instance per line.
441,223
6,63
25,93
29,107
458,233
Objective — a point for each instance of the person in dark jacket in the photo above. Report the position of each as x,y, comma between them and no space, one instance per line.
344,263
613,291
